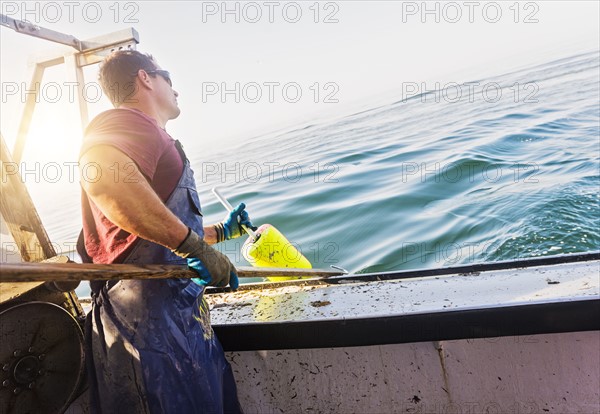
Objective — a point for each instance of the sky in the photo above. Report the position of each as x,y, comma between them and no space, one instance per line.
247,69
243,69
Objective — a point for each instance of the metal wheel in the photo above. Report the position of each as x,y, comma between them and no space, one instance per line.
41,358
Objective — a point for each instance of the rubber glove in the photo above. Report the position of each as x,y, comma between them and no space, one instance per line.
231,226
213,267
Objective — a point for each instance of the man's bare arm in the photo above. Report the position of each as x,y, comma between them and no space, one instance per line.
126,198
210,234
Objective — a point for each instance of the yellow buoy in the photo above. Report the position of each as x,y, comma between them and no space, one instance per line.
267,247
272,249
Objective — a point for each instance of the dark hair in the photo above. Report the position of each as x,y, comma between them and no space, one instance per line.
118,71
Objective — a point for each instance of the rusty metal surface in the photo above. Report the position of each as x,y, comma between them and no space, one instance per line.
42,358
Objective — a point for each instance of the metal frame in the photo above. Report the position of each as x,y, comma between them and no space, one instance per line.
87,52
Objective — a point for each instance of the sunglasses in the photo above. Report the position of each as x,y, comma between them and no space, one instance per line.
162,73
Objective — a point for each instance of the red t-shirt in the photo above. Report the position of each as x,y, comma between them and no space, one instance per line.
153,150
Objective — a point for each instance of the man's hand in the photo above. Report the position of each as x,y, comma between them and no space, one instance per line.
231,226
213,267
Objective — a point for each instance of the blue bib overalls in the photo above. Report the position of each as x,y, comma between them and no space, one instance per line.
151,348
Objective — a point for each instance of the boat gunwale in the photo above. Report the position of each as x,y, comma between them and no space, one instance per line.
515,320
462,270
554,315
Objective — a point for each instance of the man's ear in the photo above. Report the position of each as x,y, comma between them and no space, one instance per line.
143,80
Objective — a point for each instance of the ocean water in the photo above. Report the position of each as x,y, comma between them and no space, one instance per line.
500,169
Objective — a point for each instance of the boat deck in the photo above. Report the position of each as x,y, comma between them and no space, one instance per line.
311,314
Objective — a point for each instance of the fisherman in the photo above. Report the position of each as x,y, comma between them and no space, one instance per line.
150,346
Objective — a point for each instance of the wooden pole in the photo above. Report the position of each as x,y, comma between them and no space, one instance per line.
63,272
20,215
25,226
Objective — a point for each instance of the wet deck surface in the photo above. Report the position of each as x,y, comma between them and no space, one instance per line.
312,302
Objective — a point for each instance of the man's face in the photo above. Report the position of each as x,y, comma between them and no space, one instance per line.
165,93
